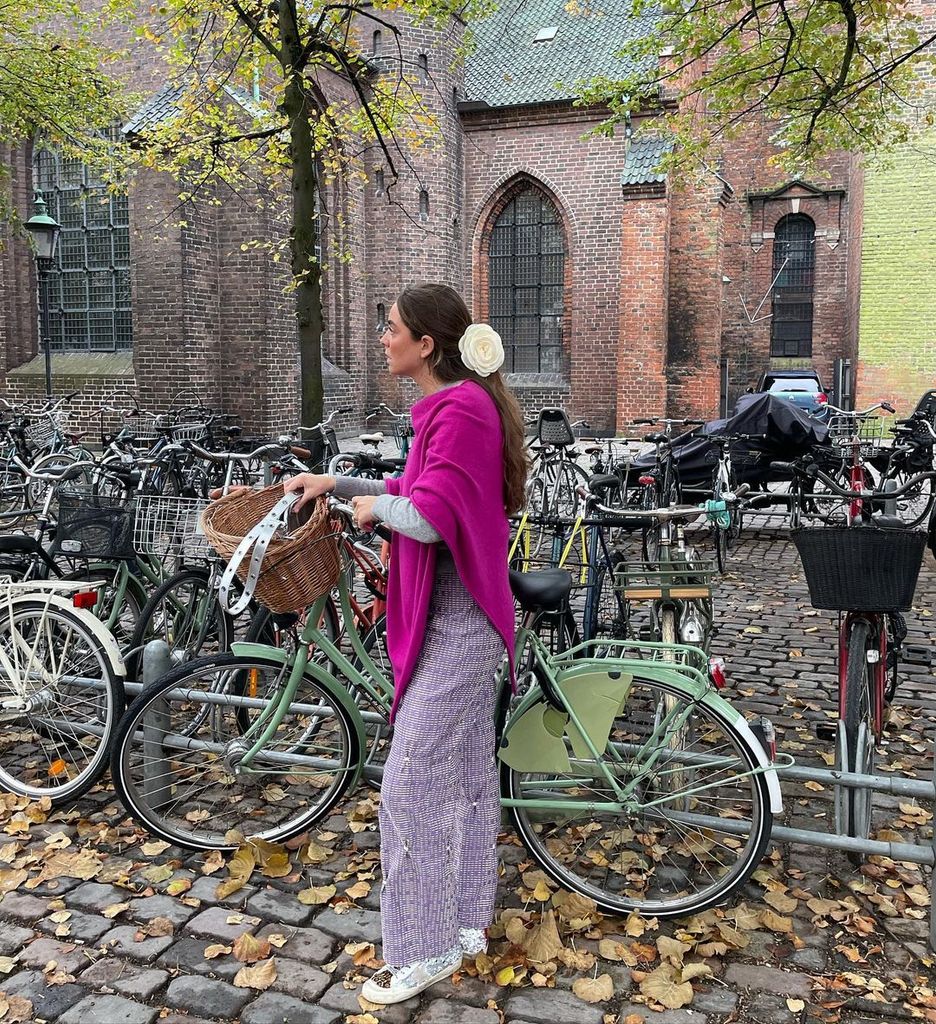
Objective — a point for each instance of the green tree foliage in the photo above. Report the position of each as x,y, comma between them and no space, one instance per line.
279,97
54,80
839,74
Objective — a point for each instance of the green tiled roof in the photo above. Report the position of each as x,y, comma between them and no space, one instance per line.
642,157
164,106
507,68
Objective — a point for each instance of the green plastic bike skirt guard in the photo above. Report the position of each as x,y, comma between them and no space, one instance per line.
535,743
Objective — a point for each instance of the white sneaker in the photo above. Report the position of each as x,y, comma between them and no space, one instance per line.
395,984
472,941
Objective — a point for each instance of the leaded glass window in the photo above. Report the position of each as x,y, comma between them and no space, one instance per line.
85,296
526,263
794,261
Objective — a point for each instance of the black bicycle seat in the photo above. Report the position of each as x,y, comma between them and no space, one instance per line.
545,590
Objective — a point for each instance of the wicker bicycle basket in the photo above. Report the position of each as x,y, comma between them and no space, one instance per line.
860,569
299,566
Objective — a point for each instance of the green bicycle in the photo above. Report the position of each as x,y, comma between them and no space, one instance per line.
264,742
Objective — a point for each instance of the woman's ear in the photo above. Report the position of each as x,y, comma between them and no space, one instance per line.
426,346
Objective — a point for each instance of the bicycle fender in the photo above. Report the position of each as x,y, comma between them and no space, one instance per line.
263,653
101,633
719,704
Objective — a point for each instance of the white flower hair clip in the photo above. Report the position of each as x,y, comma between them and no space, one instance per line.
481,349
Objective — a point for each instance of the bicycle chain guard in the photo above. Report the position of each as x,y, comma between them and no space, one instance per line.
535,742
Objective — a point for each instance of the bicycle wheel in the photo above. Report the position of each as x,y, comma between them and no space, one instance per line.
660,851
185,612
122,598
605,608
60,704
858,724
13,493
915,506
177,754
562,479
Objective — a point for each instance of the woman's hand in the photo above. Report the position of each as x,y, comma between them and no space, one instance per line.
363,506
309,486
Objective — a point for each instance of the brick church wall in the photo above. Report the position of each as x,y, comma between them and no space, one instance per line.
583,177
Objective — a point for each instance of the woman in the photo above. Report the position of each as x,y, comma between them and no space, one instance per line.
449,618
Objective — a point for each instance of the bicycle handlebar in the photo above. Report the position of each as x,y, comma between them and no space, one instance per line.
344,410
348,512
265,450
812,472
69,472
886,406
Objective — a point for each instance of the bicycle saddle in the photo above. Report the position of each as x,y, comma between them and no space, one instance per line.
371,438
545,590
602,482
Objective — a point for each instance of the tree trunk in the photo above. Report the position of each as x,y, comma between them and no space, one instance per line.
304,233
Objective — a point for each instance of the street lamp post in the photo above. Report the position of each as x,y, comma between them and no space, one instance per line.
45,232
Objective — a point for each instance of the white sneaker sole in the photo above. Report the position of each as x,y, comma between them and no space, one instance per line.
386,996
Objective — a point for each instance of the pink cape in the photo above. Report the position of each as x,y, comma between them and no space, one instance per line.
455,477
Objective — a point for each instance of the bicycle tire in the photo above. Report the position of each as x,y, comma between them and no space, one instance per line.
185,612
120,619
584,864
272,803
605,611
859,717
562,479
916,506
64,744
14,489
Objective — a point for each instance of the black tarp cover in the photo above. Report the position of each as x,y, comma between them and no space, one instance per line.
784,432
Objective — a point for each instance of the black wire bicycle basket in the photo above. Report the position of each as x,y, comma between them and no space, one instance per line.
860,568
94,526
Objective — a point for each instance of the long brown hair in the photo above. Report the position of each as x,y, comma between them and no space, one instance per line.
440,312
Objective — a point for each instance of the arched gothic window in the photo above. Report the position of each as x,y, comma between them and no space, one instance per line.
794,261
526,273
85,296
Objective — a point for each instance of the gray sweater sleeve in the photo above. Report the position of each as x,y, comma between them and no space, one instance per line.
354,486
401,515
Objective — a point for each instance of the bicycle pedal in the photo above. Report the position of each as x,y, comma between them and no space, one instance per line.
916,654
826,730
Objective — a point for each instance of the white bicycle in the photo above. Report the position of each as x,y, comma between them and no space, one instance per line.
61,688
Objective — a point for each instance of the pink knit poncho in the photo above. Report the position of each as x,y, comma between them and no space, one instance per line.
455,477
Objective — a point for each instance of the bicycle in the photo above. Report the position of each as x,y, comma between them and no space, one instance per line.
867,572
582,759
660,485
61,689
552,485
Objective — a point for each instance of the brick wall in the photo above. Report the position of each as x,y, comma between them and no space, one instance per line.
694,314
897,345
582,177
645,284
832,200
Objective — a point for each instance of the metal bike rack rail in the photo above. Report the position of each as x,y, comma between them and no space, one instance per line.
157,661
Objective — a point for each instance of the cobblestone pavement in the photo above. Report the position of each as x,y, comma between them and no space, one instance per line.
143,936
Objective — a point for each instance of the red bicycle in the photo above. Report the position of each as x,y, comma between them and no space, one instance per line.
867,571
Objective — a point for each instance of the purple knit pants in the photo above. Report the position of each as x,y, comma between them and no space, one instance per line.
439,799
